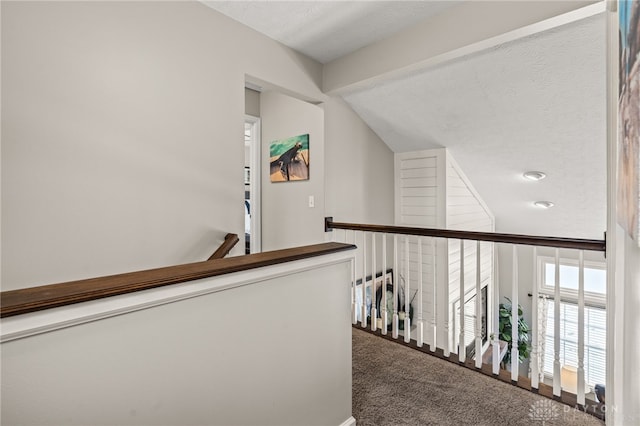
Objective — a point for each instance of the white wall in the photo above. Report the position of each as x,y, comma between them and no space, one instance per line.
121,134
631,341
244,355
358,168
287,219
432,191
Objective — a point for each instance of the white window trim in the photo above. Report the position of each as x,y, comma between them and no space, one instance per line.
597,300
591,299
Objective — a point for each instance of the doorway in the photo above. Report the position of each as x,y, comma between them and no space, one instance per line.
252,186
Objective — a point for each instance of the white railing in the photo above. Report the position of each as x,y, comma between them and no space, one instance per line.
445,317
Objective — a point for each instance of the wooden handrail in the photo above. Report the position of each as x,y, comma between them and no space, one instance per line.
22,301
230,240
531,240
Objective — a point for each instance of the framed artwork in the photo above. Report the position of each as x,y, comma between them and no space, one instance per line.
380,280
289,159
628,192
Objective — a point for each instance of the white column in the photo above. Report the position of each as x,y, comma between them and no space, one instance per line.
462,353
374,310
354,307
581,386
496,308
535,368
434,295
363,323
394,327
383,300
515,362
478,309
420,323
407,293
446,305
557,391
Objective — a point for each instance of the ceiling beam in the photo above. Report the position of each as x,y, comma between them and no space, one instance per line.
468,28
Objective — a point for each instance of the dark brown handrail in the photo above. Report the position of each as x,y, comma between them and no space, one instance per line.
531,240
230,240
22,301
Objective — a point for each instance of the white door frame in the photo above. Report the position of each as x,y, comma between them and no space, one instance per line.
255,183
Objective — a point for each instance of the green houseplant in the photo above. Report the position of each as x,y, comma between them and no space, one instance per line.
505,327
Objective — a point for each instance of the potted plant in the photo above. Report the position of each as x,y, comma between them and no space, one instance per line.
505,327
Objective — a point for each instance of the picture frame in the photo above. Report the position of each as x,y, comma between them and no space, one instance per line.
381,279
628,182
289,159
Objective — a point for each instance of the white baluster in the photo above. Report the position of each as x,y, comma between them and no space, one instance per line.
364,280
478,309
420,323
557,391
394,327
535,368
383,301
354,307
434,294
496,326
407,294
446,349
515,354
462,353
374,310
581,385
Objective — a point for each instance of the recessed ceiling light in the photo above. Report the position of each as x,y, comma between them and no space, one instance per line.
533,175
544,204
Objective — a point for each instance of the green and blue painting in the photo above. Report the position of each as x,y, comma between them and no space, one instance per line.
289,159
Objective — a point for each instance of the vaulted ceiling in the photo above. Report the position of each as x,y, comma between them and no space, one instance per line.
532,103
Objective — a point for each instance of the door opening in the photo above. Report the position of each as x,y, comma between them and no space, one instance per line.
252,184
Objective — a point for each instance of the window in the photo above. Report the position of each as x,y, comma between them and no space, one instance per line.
594,340
594,317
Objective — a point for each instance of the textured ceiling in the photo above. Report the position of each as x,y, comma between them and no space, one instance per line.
326,30
534,104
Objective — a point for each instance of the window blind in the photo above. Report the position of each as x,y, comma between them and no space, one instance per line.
594,339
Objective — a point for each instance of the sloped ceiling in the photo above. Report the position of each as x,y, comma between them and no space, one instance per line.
326,30
534,104
537,103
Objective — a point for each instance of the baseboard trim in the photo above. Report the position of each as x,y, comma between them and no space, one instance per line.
349,422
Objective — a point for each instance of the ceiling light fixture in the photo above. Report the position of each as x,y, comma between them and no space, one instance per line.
533,175
544,204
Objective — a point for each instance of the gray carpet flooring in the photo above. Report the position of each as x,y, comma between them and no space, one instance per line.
396,385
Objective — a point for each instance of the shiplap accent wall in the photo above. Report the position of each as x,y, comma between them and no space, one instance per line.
431,191
466,211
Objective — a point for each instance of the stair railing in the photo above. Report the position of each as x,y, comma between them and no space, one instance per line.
423,258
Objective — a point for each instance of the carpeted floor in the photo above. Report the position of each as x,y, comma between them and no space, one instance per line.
396,385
